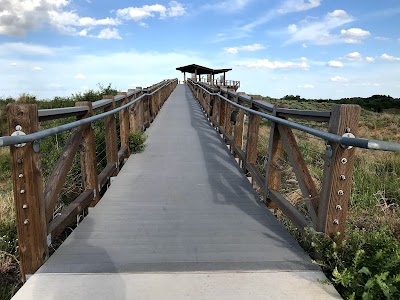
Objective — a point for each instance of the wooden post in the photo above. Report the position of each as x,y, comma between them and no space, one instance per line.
216,111
238,132
139,112
228,123
338,171
252,139
88,157
222,106
146,111
124,125
133,113
276,153
28,191
110,125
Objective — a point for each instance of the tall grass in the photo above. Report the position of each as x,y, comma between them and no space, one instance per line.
366,264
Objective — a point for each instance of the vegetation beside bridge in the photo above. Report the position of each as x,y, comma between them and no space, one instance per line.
364,266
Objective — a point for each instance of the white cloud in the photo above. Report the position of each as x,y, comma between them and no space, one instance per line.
298,5
37,69
335,64
273,65
13,64
143,24
251,48
304,45
338,79
288,6
175,9
306,86
382,38
354,35
227,6
369,59
105,34
17,17
318,31
353,56
26,49
80,76
109,34
389,57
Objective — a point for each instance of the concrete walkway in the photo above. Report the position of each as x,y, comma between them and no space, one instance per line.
180,221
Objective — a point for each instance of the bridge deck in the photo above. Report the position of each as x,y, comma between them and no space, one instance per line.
180,221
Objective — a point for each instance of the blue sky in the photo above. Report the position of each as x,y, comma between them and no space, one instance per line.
312,48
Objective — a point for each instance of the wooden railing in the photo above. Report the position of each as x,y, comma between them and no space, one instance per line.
220,83
35,202
327,208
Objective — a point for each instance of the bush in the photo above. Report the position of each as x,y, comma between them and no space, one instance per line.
137,141
364,266
5,164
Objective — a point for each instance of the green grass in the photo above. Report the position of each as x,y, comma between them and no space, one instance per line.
366,265
137,141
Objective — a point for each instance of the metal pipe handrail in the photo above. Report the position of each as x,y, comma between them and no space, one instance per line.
325,115
37,136
331,137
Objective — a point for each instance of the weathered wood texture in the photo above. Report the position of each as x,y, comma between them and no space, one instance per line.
124,124
135,113
88,157
69,214
274,166
60,172
238,131
289,210
252,139
304,178
110,125
228,113
28,191
222,112
338,171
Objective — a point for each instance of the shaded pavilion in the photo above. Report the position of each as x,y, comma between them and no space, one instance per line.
198,70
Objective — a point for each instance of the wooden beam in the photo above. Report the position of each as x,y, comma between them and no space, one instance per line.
28,191
252,139
306,183
289,210
222,107
107,172
88,157
238,132
228,123
68,214
338,171
122,154
124,125
60,172
110,125
273,177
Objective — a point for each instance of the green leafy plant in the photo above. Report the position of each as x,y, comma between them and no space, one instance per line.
137,141
366,265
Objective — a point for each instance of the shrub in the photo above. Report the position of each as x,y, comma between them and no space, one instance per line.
5,164
137,141
364,266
